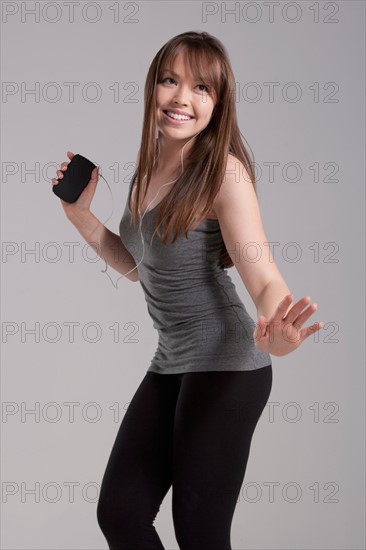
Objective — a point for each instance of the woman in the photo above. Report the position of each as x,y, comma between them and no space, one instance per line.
192,418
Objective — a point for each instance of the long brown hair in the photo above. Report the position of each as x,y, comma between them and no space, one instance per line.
192,196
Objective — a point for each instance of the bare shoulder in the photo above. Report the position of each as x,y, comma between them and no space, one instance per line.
236,182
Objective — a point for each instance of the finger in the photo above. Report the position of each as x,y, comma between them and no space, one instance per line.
304,316
60,174
307,331
70,154
64,166
282,308
95,174
296,310
261,328
92,183
54,181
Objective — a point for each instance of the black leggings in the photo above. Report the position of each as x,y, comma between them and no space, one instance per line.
193,432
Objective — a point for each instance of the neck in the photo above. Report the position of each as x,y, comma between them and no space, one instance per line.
170,152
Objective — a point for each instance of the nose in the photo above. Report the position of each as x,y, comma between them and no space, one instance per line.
181,96
178,101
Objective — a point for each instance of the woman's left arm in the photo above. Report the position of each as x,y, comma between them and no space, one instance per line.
279,329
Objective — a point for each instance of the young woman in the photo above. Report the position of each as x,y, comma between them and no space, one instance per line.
190,423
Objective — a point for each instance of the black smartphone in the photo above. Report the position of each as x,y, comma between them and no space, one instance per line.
75,179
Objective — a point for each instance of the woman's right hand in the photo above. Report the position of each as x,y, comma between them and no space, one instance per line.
82,204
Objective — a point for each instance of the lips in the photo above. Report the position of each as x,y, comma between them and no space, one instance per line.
176,122
177,112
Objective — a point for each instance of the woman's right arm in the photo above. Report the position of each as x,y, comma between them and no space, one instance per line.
105,243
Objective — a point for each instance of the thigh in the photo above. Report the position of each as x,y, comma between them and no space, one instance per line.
138,473
215,419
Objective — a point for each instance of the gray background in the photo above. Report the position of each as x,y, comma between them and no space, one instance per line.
309,443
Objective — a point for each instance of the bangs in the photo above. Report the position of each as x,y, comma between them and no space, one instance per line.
202,63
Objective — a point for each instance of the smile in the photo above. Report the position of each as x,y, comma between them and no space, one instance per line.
178,119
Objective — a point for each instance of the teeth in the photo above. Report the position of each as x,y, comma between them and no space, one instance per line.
178,117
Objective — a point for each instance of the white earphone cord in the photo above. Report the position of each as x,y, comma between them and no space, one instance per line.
141,217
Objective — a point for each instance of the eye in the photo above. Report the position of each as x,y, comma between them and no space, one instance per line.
204,85
168,78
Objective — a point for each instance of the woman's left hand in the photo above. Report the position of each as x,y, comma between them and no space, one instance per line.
283,333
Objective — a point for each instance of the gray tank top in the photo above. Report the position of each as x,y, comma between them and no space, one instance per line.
202,323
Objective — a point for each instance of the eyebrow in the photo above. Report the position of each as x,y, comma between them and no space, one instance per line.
170,71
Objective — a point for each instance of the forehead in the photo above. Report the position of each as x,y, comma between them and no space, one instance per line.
179,66
190,63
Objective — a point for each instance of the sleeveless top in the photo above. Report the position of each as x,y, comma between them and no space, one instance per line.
202,323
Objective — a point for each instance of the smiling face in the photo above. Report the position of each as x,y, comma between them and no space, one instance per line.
178,92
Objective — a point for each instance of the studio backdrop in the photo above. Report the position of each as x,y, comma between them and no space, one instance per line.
77,340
